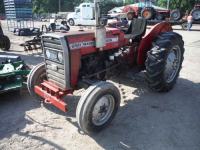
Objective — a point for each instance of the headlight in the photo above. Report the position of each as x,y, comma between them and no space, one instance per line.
60,57
48,54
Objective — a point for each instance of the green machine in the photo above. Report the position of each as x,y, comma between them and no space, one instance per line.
13,73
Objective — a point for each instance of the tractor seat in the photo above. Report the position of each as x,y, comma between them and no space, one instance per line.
137,29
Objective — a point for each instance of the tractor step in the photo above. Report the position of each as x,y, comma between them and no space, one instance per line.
52,95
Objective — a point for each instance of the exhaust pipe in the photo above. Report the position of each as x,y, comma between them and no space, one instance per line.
100,32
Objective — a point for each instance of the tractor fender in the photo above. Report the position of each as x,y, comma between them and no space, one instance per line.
146,43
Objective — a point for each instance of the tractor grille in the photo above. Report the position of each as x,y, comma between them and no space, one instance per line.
55,69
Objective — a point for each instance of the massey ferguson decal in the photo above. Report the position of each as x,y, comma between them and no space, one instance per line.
90,43
82,44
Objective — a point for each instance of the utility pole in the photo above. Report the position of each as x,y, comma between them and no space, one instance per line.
59,6
168,4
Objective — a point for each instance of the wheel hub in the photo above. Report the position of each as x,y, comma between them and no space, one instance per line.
172,64
175,15
103,110
146,14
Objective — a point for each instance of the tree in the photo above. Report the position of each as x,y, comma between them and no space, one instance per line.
180,4
128,2
109,4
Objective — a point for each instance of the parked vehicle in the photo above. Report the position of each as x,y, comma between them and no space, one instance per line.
83,15
146,10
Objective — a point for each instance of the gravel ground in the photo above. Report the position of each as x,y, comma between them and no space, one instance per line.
146,120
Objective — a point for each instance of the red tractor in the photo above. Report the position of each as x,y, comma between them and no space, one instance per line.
196,11
86,59
146,10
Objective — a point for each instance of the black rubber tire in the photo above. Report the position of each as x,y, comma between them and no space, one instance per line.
151,11
64,22
62,28
68,27
176,15
36,76
157,58
159,17
7,44
131,15
88,101
71,22
193,11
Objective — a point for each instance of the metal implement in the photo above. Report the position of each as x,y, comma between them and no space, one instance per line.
12,73
31,45
35,43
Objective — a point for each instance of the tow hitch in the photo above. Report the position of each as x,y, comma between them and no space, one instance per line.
52,95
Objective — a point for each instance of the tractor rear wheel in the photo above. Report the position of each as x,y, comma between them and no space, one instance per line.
36,77
164,62
6,44
148,13
97,107
196,13
176,14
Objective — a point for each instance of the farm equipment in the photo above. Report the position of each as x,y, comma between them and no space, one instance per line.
12,73
35,43
4,40
196,11
146,10
86,59
26,31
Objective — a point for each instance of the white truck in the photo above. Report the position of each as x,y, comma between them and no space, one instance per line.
83,15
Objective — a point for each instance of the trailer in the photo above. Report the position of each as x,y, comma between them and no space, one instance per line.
183,24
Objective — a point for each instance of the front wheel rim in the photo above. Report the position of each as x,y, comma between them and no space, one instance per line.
103,110
172,64
146,14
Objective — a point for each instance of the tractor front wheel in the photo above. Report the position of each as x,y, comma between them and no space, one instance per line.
148,13
5,44
164,62
36,77
131,15
97,107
